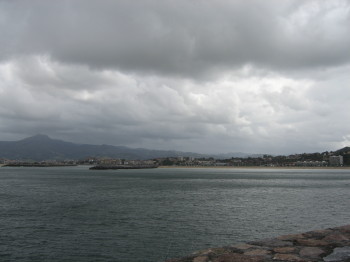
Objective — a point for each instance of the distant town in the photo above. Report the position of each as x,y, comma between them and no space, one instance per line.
326,159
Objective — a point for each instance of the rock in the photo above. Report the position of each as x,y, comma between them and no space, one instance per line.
339,254
310,246
311,252
219,250
176,260
202,252
344,229
287,257
236,250
274,242
244,246
257,252
238,258
201,259
312,242
215,251
284,249
291,237
336,238
318,233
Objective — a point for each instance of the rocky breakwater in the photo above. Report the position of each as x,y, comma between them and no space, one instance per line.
328,245
107,167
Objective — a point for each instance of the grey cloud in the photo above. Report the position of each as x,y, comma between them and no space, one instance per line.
260,77
268,113
128,110
184,38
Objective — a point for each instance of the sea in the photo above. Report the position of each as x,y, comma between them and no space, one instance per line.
75,214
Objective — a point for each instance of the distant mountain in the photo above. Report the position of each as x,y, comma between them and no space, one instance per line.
41,147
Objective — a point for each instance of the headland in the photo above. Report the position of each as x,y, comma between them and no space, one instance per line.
327,245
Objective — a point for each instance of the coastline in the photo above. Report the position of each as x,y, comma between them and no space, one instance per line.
327,245
257,167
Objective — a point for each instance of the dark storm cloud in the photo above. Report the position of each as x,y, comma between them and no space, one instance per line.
179,37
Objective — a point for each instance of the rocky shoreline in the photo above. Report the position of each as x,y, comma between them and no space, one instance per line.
327,245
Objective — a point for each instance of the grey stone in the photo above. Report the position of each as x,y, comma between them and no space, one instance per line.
244,246
287,257
312,242
272,243
336,238
291,237
312,252
285,250
318,233
257,252
339,254
201,259
238,258
344,229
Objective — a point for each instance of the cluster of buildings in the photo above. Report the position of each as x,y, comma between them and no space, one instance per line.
115,162
188,161
332,161
297,160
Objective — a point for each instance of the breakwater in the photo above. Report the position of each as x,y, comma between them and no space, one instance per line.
107,167
328,245
38,165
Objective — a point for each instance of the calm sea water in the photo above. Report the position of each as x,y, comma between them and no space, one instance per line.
74,214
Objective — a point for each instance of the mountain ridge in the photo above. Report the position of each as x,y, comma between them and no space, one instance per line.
343,150
41,147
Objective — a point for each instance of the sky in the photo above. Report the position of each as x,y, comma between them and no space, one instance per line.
191,75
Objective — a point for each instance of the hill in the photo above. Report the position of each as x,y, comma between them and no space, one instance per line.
41,147
343,150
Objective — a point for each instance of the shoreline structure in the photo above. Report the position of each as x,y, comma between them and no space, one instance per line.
260,167
195,167
327,245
